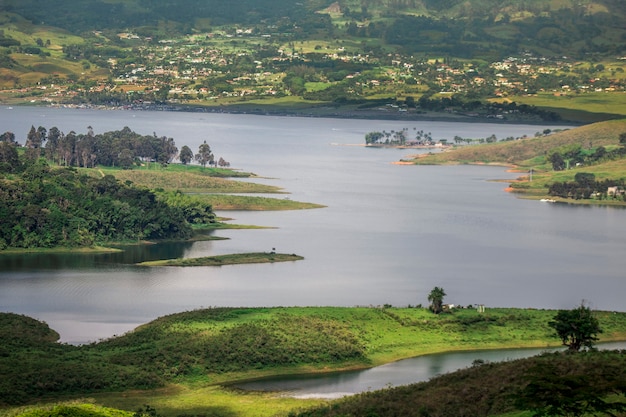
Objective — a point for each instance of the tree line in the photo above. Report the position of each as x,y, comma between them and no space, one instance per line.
121,148
585,186
569,156
46,202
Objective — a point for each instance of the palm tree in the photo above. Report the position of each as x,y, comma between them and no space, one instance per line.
436,299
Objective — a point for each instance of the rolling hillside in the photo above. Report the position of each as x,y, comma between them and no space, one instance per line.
216,53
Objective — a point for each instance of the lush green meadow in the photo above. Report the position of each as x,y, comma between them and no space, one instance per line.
178,363
585,108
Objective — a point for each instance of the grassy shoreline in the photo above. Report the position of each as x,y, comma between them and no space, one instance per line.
221,260
197,353
528,154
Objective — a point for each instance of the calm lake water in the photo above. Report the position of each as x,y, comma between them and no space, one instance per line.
404,372
389,233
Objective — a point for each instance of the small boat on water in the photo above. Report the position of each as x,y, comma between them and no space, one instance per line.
547,200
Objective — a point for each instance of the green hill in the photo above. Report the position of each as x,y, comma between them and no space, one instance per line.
176,362
563,56
462,28
594,150
528,152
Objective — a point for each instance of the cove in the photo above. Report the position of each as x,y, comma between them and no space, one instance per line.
403,372
388,234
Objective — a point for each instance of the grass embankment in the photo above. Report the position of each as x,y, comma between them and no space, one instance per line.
589,107
233,259
175,362
213,186
187,179
533,153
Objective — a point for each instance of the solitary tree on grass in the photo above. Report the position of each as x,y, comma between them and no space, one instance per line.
436,299
577,328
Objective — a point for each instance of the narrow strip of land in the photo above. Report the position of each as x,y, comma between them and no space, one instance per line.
232,259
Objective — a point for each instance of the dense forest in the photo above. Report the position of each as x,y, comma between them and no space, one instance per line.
45,202
45,207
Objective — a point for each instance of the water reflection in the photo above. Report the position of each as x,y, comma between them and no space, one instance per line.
388,234
128,255
399,373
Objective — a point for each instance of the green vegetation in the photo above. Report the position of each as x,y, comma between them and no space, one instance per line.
436,300
581,165
187,181
234,259
178,359
529,61
45,207
239,202
577,328
118,186
589,107
551,384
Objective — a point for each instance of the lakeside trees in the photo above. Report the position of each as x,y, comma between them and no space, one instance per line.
45,207
121,148
576,328
46,203
204,155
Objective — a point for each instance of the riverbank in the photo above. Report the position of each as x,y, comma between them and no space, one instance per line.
333,111
178,363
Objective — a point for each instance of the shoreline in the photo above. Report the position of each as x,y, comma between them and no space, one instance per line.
326,111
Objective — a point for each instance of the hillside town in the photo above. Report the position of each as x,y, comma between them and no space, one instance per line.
244,64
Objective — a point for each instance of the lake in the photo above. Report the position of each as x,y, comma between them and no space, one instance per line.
403,372
388,235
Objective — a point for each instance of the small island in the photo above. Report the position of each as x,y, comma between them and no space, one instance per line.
231,259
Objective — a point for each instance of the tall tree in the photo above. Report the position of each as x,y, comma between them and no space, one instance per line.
186,155
34,139
204,155
436,299
52,144
8,137
576,328
9,159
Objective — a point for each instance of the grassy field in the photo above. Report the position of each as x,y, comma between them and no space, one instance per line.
252,203
191,180
186,357
214,186
584,108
